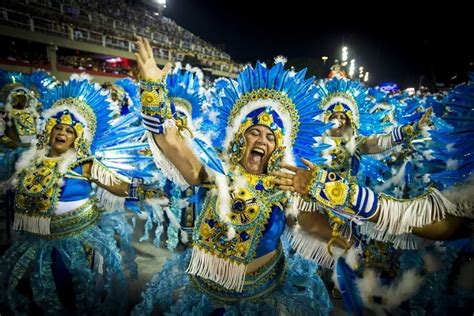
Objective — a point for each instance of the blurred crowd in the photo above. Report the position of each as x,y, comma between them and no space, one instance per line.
115,24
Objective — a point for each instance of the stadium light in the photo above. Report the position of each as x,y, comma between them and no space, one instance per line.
344,53
352,68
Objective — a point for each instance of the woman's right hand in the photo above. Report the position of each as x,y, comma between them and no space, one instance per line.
146,63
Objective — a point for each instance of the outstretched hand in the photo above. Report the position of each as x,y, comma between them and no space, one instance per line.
146,63
425,119
297,180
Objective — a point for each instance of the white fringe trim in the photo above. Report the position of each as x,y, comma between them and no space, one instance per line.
33,224
309,247
105,175
224,272
167,167
385,142
403,241
400,216
109,201
305,206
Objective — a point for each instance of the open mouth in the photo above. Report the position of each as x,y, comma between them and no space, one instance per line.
60,139
256,155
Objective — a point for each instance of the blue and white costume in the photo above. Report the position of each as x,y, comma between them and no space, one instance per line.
241,216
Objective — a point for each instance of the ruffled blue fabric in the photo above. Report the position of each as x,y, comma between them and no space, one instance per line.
31,259
116,224
172,293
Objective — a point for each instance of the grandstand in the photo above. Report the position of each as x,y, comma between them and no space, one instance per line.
64,36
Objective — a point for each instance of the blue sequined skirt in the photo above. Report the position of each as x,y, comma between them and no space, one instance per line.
294,288
115,223
42,265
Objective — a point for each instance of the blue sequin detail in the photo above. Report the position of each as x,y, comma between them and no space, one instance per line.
259,186
75,189
272,232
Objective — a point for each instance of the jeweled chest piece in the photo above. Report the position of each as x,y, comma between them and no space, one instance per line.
340,155
41,178
244,208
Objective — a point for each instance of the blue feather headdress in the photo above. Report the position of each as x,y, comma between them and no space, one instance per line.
80,104
351,98
130,101
278,98
33,85
184,90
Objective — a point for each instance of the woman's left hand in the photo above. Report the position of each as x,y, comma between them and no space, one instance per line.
425,119
298,180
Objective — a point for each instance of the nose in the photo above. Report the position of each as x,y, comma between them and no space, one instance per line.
61,131
261,139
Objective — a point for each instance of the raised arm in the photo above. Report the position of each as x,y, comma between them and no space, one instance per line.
162,120
377,144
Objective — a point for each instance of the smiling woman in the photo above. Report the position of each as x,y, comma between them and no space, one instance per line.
61,139
237,262
260,142
56,214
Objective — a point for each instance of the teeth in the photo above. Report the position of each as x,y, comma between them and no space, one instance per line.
260,151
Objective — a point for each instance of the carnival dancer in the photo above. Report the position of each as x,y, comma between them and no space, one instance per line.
238,263
61,261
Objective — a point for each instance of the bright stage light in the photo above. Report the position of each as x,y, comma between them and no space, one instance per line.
366,77
163,2
344,53
114,60
352,67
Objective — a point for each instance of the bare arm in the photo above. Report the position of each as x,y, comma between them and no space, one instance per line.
119,189
172,145
315,224
379,143
376,144
183,158
365,204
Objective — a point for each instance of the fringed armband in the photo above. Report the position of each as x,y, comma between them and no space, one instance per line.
157,111
156,108
100,173
309,247
345,198
404,132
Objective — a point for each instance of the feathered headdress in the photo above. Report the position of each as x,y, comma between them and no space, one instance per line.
80,104
277,98
351,98
32,86
185,90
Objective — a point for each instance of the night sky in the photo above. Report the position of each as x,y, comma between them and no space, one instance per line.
400,43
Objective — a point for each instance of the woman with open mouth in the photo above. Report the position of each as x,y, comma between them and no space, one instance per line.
238,262
60,260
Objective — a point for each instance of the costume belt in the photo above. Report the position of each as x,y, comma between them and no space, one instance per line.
257,284
73,222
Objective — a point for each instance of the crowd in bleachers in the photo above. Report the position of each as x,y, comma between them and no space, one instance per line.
114,23
24,53
90,63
